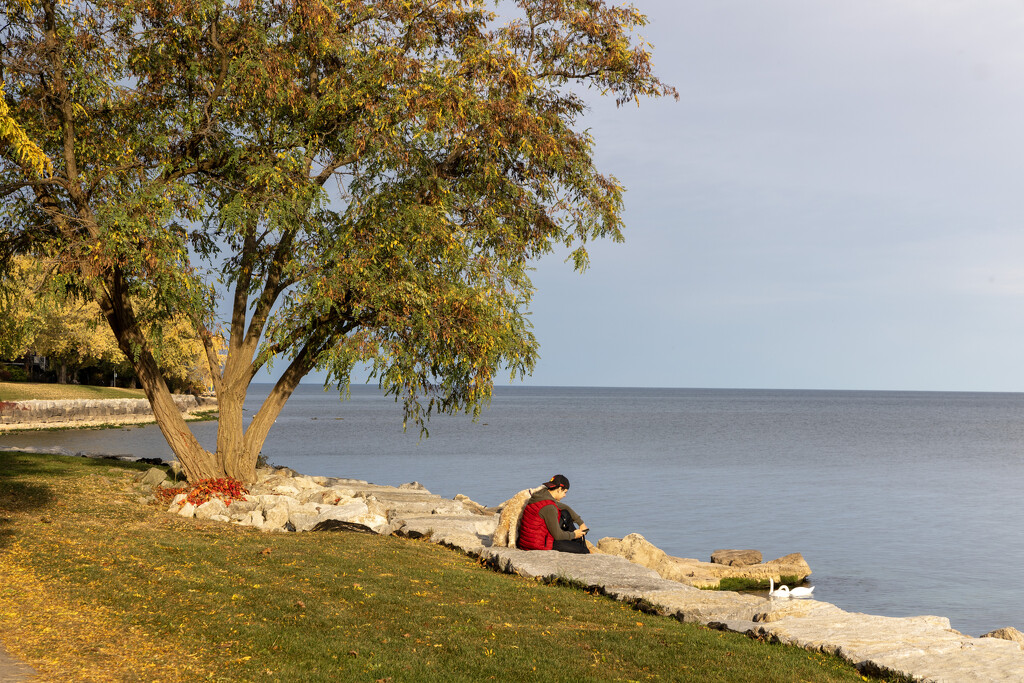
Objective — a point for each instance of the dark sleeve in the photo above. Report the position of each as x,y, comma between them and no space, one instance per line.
572,513
549,513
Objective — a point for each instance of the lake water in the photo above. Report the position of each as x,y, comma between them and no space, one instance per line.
902,503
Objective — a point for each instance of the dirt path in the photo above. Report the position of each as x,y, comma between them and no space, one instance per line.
13,670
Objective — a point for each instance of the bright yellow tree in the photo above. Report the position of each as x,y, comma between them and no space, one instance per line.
42,318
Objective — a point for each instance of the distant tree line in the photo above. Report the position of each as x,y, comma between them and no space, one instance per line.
51,332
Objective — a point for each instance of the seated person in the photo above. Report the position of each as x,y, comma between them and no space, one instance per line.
539,527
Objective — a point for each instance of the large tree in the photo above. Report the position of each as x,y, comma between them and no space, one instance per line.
361,181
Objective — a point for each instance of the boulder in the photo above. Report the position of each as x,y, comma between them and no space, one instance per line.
153,476
242,507
303,521
468,532
353,512
275,516
474,506
736,558
691,572
254,519
1008,633
634,548
212,508
319,496
305,483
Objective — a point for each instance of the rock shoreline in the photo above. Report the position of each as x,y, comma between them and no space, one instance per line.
925,648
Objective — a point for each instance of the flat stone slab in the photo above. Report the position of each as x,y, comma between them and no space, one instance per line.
924,647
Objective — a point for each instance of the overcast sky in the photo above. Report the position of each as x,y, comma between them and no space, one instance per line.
835,202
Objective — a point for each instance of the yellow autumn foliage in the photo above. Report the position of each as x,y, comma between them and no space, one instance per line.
12,135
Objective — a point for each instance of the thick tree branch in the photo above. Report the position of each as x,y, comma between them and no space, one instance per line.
272,289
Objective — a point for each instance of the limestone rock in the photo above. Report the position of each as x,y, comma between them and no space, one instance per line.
303,521
211,508
354,512
253,519
468,532
736,558
793,564
275,516
1008,633
242,506
153,476
634,548
473,506
691,572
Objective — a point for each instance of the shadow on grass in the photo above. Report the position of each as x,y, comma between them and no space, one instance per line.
18,495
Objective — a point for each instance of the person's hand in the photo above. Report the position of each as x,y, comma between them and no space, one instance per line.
584,528
578,533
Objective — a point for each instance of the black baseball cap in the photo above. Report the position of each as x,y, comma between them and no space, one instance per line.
557,482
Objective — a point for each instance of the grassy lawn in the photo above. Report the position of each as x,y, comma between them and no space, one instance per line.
98,587
27,391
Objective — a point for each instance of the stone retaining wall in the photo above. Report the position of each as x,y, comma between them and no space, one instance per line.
38,412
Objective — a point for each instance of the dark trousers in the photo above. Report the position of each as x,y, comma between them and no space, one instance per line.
577,545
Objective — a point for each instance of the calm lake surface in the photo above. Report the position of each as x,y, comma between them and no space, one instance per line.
902,503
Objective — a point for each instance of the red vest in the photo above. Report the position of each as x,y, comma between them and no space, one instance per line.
533,532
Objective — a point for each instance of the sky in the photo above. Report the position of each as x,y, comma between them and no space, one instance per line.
835,202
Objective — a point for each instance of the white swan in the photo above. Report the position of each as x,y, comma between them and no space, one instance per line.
784,591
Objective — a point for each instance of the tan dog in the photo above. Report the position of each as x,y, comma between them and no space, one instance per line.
508,522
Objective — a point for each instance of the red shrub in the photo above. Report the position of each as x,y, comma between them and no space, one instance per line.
227,490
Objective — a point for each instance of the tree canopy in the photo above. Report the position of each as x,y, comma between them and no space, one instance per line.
360,181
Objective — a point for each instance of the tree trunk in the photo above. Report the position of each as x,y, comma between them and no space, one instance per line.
196,462
237,461
271,408
239,447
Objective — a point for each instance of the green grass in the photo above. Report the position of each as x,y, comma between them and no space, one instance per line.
100,587
27,391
